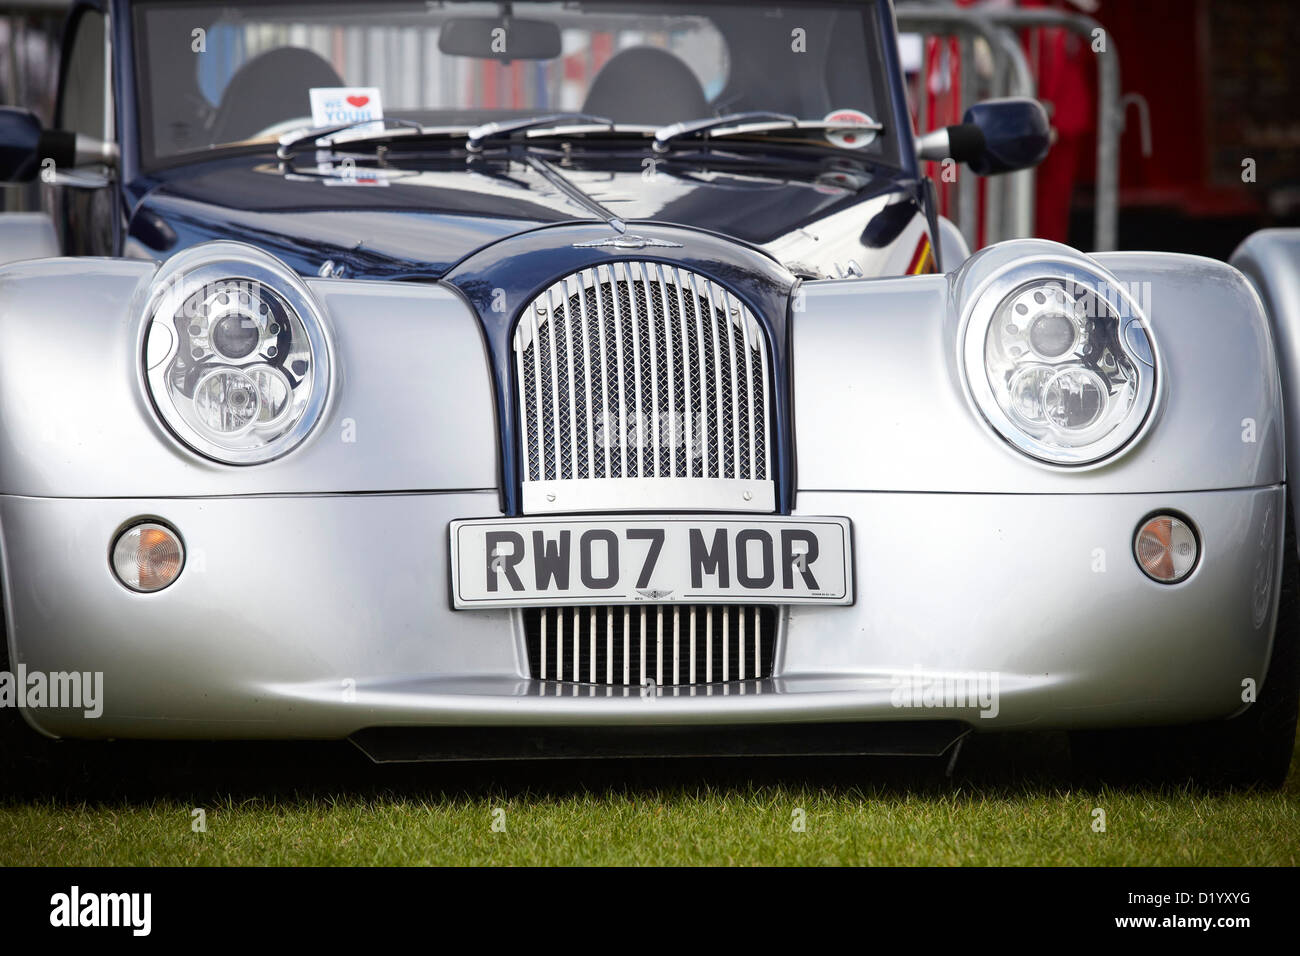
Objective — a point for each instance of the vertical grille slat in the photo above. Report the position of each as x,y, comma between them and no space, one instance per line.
733,360
677,645
687,417
615,330
574,406
632,431
708,646
633,645
718,407
588,367
542,639
700,375
659,646
559,645
671,360
740,644
726,644
537,430
652,420
641,671
640,370
577,647
762,452
557,442
749,386
609,645
627,665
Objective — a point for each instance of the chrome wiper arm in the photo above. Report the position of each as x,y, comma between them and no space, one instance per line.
748,124
666,134
502,128
742,129
316,134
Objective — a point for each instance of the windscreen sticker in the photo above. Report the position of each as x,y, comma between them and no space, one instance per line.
338,105
849,138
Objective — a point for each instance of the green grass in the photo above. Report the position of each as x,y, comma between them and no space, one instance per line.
707,827
1010,802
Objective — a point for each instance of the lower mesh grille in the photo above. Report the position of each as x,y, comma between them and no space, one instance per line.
630,645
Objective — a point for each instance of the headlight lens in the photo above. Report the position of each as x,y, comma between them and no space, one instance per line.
236,359
1061,367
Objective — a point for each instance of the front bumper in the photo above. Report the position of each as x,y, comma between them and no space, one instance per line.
322,615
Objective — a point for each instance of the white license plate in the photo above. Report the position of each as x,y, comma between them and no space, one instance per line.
530,562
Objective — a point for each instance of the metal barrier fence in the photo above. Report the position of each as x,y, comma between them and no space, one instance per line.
1009,209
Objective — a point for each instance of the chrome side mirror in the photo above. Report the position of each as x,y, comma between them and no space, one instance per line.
995,136
26,149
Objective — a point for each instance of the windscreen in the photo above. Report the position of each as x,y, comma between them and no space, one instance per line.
212,75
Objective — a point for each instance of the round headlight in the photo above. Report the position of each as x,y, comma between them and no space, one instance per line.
236,359
1061,366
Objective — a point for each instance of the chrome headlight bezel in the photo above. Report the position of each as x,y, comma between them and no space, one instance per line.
236,265
1133,337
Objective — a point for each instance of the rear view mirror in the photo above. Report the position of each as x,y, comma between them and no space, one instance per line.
500,38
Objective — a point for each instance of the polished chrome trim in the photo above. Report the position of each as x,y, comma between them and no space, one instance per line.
577,645
734,306
686,383
638,380
586,379
627,242
708,645
573,399
672,377
609,645
726,643
653,627
715,406
692,672
544,617
618,348
223,261
984,304
555,375
573,482
534,311
583,495
740,644
627,656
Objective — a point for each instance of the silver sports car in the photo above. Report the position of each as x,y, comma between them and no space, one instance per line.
590,378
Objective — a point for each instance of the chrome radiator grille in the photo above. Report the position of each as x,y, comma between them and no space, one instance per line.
634,375
670,644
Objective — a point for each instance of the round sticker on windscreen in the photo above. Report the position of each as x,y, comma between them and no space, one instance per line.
848,137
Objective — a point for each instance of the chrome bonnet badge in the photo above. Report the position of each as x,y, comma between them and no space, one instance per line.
627,242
